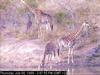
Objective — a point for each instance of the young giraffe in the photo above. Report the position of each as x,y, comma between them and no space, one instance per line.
69,41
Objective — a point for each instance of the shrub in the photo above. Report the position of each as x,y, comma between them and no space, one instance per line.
4,4
63,18
32,3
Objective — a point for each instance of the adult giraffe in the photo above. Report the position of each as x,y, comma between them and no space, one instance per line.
43,20
69,41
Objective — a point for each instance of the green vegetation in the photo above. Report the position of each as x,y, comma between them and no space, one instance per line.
32,3
62,19
22,10
4,4
60,16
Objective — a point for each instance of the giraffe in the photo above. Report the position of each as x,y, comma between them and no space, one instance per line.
43,20
51,49
69,41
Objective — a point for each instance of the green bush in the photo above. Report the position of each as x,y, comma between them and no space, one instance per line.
22,10
4,4
32,3
62,19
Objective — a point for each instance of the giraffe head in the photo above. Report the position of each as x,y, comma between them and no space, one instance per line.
38,11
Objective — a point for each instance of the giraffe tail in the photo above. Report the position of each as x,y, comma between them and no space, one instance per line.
58,52
51,26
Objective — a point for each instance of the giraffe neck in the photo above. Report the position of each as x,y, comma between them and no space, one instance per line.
71,37
29,7
76,34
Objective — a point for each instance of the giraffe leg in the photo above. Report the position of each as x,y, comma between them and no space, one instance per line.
50,57
69,50
72,52
50,61
39,33
72,72
68,71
